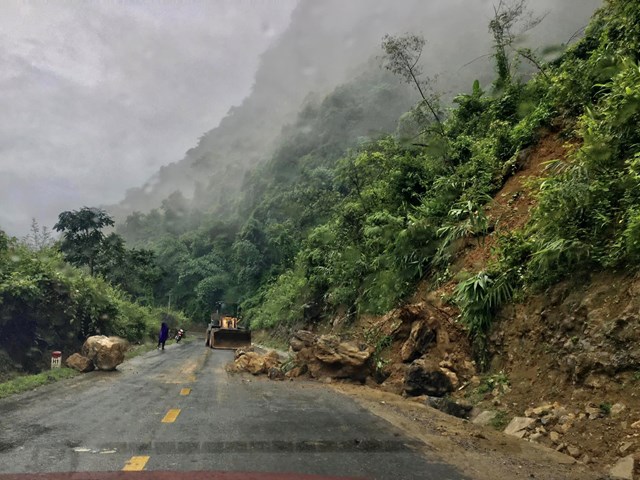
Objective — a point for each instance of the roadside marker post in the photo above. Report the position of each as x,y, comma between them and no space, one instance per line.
56,359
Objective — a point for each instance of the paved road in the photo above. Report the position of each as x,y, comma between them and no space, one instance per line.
178,410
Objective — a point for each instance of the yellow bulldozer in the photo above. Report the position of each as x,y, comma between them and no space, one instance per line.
224,333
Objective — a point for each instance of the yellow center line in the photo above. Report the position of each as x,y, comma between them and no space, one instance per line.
185,391
135,464
171,415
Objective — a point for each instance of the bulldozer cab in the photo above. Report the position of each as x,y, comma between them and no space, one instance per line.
229,322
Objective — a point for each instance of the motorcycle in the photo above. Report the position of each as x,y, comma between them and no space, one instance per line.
179,335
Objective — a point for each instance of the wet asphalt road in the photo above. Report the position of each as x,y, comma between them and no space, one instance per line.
179,411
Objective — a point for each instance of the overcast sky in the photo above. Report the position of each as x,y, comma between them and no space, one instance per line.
96,96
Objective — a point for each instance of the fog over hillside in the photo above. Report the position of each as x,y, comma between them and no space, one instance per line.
326,44
102,95
98,95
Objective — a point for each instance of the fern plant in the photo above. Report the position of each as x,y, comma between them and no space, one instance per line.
479,298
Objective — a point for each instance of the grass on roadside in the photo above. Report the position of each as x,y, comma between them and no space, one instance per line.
137,350
29,382
267,339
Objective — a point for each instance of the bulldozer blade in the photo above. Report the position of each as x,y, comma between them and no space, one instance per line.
231,339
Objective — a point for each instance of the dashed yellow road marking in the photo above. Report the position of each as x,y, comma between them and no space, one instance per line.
185,391
171,415
135,464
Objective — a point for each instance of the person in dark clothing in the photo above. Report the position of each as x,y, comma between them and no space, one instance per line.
164,334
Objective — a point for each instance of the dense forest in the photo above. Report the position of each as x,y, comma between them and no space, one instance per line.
55,294
368,191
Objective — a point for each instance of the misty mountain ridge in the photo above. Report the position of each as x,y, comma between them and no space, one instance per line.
327,44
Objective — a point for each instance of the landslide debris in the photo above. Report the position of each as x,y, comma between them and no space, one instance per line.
247,360
99,352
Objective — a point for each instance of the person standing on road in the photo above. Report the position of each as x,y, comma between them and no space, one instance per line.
164,334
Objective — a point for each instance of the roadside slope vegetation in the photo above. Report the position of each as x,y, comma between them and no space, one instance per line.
345,220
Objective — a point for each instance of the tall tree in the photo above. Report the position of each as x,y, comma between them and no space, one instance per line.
38,237
511,19
402,57
82,235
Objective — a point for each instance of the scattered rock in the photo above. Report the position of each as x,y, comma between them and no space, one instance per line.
302,339
518,426
425,377
623,469
573,451
485,418
452,376
554,437
456,408
79,363
617,409
106,353
635,424
564,419
592,411
534,437
547,419
271,360
297,371
538,411
274,373
420,337
241,351
624,447
564,428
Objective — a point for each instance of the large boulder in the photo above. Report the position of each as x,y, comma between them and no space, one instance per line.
251,362
327,356
422,334
329,349
456,408
271,360
425,377
80,363
254,363
106,353
302,339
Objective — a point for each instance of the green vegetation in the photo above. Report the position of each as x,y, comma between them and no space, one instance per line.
500,421
605,408
346,219
490,382
380,342
47,304
365,195
29,382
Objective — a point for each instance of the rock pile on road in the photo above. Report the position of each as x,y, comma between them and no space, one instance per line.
80,363
247,360
99,352
327,356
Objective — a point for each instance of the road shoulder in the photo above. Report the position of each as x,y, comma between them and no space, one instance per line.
479,452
